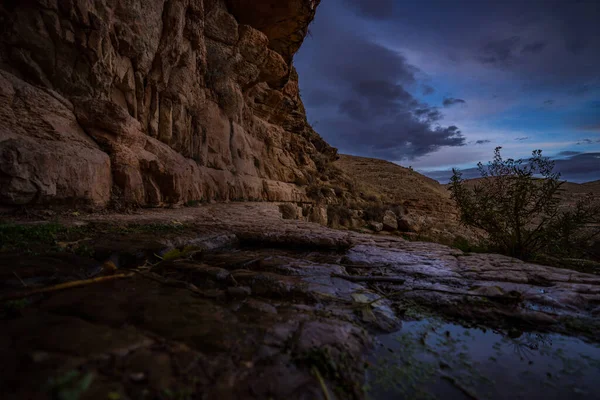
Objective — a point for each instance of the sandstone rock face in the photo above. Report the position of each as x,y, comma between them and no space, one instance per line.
284,22
45,156
156,102
318,214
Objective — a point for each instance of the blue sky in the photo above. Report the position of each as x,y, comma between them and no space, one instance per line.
437,84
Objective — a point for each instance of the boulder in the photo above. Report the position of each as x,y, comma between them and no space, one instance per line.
290,211
318,214
408,223
376,226
390,221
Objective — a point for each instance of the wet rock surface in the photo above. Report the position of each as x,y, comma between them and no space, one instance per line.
239,303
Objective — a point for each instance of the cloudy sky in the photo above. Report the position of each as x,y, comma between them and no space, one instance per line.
437,84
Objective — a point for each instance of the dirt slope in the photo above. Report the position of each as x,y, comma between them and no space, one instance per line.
420,195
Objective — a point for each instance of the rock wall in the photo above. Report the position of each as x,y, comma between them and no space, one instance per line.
153,102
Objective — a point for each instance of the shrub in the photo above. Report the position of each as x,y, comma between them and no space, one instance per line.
374,213
288,211
398,210
370,197
338,214
462,243
193,203
27,237
517,204
314,192
300,180
322,162
338,191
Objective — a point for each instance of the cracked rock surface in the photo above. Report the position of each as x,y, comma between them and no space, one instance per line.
254,306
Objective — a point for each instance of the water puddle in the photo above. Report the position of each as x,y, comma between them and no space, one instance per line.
431,359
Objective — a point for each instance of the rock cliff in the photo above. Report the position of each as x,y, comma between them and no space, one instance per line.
153,102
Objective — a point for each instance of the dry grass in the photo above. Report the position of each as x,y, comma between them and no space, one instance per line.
385,184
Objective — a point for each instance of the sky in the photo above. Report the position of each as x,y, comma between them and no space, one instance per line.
437,84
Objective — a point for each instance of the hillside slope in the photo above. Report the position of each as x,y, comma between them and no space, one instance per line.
422,198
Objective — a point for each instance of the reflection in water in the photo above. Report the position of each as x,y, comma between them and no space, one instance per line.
526,346
430,359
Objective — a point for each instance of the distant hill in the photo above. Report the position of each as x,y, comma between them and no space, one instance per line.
588,187
570,191
425,197
421,196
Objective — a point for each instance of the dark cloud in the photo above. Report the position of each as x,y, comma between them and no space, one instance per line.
584,88
588,141
593,127
575,45
427,113
353,109
522,139
534,48
384,97
317,98
358,85
549,44
368,59
500,51
369,107
427,90
586,119
450,101
579,167
568,153
505,53
374,9
483,141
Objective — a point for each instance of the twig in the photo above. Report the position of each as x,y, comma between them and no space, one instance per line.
174,283
19,278
62,286
165,281
322,383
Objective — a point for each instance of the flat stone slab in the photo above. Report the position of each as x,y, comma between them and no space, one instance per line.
253,306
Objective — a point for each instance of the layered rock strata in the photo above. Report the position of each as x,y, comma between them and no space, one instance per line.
153,102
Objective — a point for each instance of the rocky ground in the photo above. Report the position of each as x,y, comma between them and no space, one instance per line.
232,301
